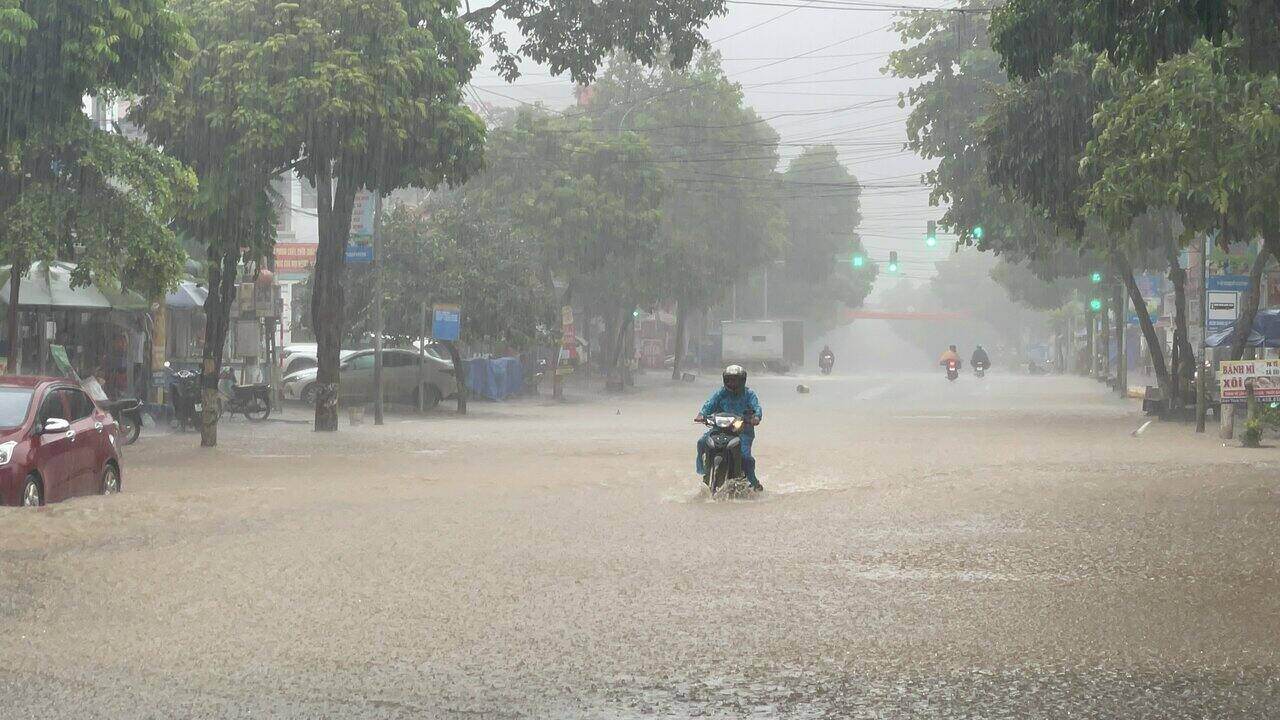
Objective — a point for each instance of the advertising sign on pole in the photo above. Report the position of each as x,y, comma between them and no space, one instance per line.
362,214
359,253
446,324
1232,375
1222,301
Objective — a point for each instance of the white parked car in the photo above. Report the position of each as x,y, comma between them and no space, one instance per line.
400,378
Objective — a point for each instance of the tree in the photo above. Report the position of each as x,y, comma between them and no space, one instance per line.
214,120
52,54
451,251
587,200
720,218
573,37
1202,135
820,201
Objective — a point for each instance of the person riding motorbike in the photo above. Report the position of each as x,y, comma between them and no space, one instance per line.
950,355
735,398
826,358
980,359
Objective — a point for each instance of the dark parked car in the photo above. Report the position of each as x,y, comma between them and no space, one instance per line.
55,443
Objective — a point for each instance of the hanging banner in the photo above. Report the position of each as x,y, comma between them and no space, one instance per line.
446,323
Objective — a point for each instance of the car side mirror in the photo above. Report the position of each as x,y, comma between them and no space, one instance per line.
53,426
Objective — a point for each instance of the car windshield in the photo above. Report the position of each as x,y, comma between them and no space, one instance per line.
13,406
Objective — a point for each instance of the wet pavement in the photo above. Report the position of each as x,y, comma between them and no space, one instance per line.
985,549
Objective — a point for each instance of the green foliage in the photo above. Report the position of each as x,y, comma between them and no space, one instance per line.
214,120
55,52
958,81
1201,134
719,219
451,251
102,200
575,37
1030,34
589,201
820,200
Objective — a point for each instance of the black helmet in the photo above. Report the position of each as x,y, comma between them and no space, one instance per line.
735,378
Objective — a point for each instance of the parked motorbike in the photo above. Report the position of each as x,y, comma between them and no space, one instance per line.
953,369
128,415
252,401
826,362
723,472
184,396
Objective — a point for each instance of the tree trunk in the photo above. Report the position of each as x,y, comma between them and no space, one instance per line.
223,266
15,287
1183,368
328,298
1252,296
459,375
681,316
557,380
1091,359
1154,346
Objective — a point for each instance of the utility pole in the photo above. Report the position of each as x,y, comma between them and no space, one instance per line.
422,357
1197,332
377,308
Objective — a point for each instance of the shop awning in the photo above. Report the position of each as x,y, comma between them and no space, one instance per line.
189,295
49,285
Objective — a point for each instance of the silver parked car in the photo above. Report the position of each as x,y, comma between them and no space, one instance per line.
400,378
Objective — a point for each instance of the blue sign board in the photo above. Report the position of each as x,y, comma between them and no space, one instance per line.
446,324
1222,301
359,253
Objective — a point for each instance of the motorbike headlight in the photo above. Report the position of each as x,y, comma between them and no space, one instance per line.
6,451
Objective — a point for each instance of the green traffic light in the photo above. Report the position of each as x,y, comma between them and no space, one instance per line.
893,267
635,313
931,241
859,261
1095,304
1095,278
977,233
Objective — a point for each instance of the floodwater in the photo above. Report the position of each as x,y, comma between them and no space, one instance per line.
985,549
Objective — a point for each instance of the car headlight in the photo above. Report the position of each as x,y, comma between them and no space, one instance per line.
6,451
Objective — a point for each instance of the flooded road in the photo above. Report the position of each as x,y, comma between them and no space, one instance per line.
985,549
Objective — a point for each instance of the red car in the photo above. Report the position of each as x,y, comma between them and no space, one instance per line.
55,442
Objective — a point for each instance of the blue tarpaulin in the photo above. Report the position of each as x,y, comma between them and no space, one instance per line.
1265,331
496,379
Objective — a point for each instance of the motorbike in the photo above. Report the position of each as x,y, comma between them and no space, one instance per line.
953,369
252,401
128,415
184,396
980,370
825,363
723,472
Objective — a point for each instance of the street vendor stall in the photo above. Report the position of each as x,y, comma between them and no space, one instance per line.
101,328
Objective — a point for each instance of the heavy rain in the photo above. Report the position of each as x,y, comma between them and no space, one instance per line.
639,358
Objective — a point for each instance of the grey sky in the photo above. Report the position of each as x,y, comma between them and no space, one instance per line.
856,104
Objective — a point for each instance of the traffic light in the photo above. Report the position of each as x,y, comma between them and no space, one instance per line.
931,234
1095,305
977,232
893,262
859,261
1096,277
635,313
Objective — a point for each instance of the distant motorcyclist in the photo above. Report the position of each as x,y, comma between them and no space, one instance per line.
737,399
980,359
826,359
950,355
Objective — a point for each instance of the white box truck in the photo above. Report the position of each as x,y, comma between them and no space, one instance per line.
775,344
